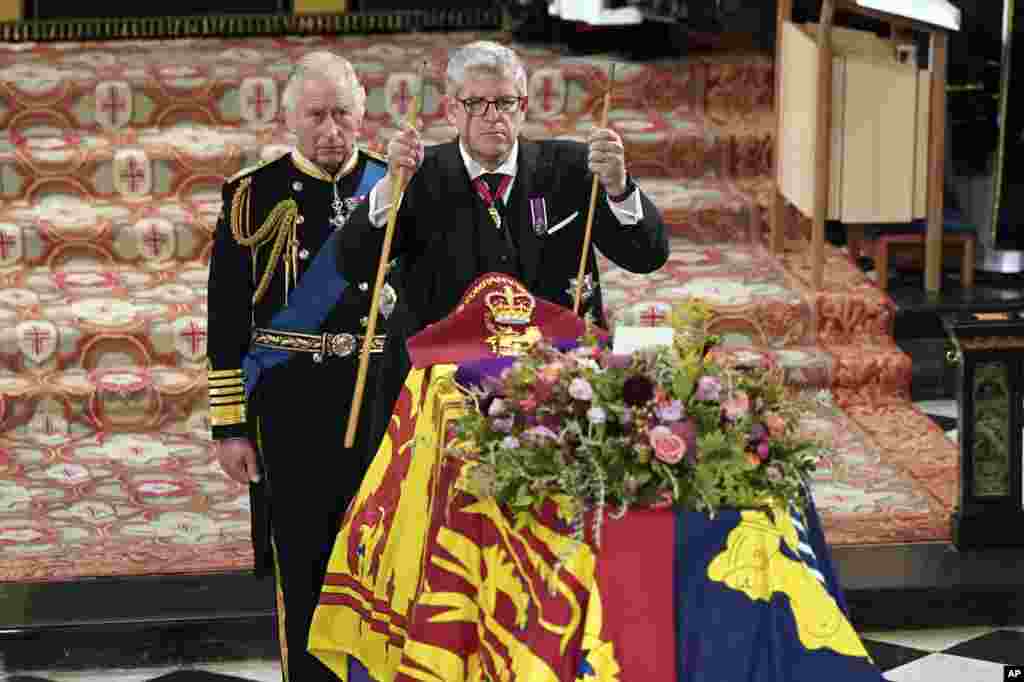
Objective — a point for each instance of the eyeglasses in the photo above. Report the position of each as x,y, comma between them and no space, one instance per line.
478,106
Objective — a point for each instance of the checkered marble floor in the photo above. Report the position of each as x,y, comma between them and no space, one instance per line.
976,654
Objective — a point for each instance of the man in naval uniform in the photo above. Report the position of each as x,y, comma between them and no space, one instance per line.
285,335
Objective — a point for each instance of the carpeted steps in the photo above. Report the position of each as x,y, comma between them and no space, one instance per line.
156,234
110,170
109,399
97,317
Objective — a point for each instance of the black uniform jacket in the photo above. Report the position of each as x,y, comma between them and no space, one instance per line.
298,410
445,239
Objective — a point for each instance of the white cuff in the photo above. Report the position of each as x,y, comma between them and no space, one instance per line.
629,211
378,214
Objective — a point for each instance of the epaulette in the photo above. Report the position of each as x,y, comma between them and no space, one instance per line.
376,156
249,170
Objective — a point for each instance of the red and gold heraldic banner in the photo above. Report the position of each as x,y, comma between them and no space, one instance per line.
429,582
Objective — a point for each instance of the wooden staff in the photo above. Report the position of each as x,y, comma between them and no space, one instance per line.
385,255
593,201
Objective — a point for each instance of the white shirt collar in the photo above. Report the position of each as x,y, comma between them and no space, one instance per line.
475,170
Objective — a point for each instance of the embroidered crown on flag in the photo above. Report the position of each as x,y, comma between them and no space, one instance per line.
497,316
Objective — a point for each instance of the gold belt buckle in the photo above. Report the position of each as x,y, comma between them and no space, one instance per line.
343,345
339,345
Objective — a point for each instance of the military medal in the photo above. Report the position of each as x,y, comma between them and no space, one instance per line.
340,215
492,201
539,216
343,208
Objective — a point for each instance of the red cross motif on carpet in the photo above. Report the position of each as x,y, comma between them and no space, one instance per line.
190,337
10,244
547,93
37,340
156,239
652,316
258,100
400,90
132,175
113,104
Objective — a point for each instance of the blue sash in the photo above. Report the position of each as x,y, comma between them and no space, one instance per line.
316,294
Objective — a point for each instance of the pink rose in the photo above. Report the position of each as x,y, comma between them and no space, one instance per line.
737,406
668,447
528,405
708,388
580,389
775,424
687,430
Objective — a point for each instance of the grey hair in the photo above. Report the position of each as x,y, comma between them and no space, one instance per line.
487,56
330,67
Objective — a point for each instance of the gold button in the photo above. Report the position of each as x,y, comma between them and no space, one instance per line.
299,220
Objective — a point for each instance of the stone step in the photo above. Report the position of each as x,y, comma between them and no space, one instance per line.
177,160
140,84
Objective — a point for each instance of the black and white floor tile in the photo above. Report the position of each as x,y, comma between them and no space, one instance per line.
976,654
942,412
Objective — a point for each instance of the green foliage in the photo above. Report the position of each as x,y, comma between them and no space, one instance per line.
665,426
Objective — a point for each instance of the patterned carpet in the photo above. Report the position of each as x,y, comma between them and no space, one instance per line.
111,162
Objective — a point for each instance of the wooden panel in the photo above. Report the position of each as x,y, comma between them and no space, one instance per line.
776,240
924,101
880,118
936,162
838,155
796,144
849,41
10,10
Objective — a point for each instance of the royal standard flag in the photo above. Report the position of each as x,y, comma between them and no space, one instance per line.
429,582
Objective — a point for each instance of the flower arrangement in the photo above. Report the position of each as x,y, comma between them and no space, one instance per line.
666,426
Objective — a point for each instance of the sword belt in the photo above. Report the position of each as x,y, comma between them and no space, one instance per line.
320,345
